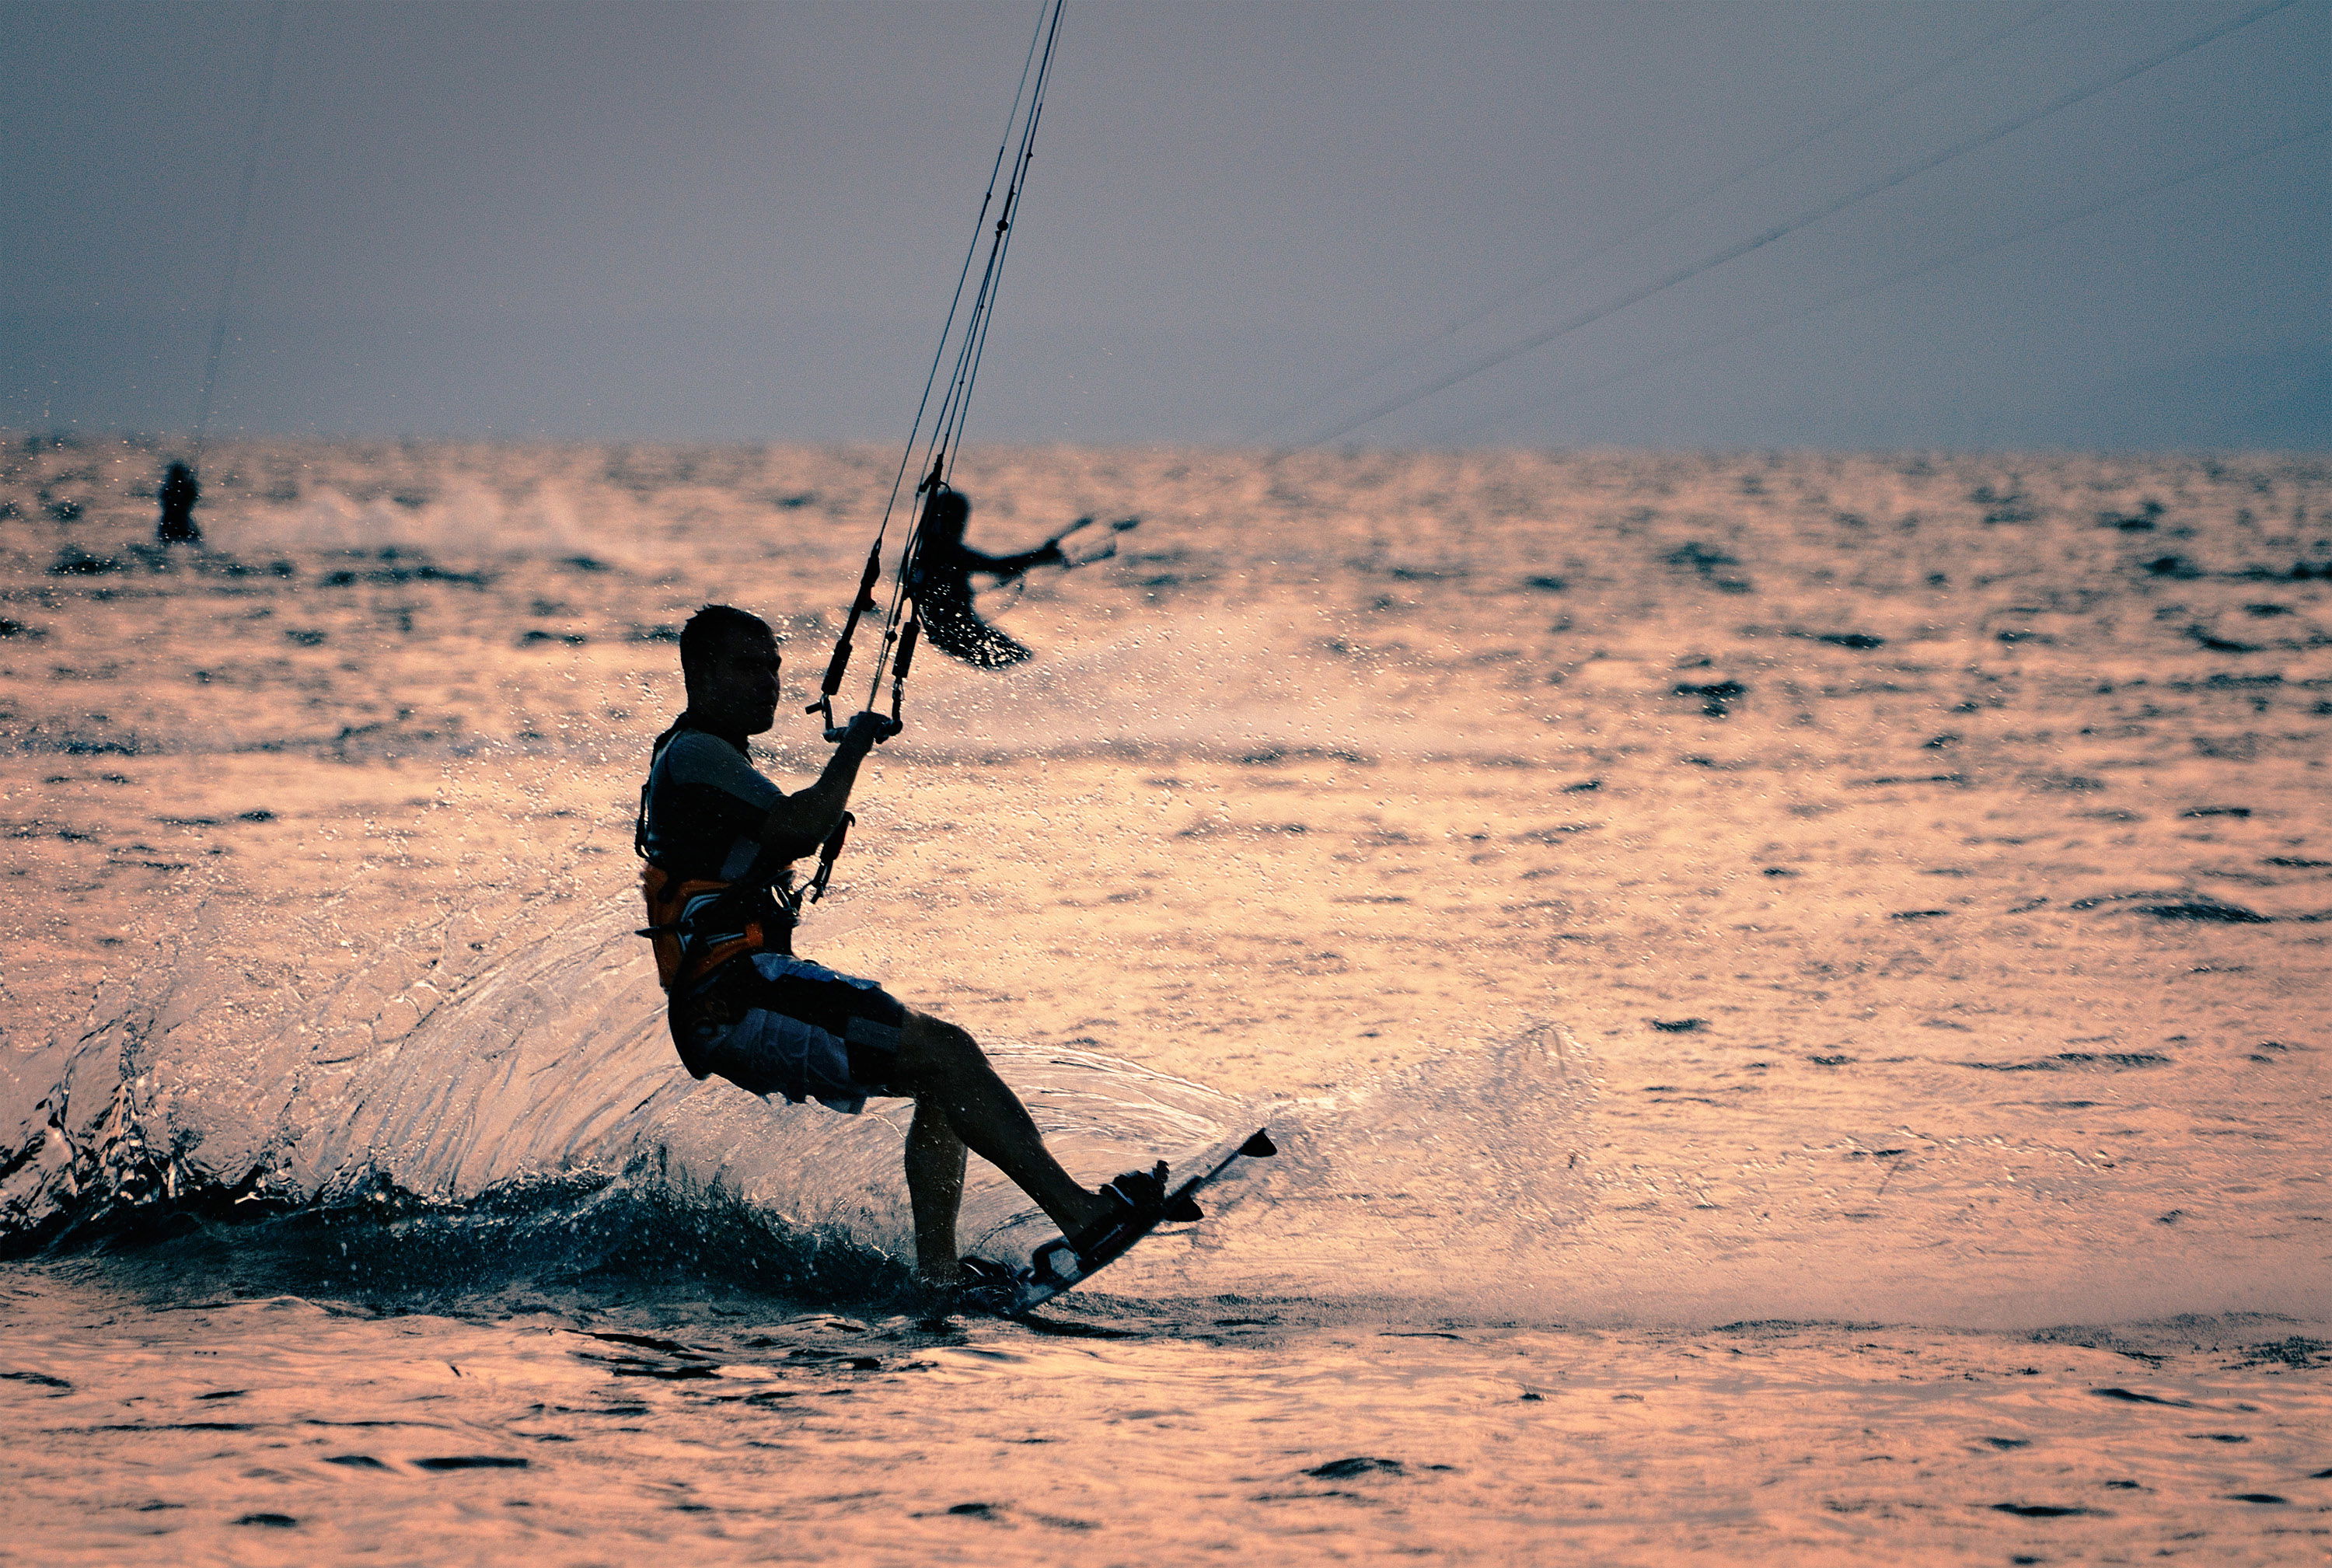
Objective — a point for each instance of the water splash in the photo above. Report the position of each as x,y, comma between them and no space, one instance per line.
440,1120
539,1083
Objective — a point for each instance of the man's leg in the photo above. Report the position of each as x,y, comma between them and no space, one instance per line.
935,1191
943,1066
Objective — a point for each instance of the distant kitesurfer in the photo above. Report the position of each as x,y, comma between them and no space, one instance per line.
720,841
938,579
940,583
179,492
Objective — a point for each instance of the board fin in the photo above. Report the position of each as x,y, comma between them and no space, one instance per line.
1260,1146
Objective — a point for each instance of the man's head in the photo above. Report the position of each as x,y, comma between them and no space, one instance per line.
947,516
728,662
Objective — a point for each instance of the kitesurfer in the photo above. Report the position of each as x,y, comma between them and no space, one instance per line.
939,581
178,493
720,841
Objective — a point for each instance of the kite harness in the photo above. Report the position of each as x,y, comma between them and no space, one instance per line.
699,925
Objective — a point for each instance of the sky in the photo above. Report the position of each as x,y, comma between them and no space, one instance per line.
1247,224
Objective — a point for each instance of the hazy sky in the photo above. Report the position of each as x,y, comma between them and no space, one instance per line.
742,220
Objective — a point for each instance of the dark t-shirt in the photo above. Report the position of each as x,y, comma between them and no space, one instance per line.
702,818
705,807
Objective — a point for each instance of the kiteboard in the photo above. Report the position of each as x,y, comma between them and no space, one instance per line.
1057,1266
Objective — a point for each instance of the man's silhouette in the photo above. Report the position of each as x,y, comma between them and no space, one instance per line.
179,492
720,841
940,582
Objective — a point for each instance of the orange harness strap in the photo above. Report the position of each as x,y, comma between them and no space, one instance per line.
666,900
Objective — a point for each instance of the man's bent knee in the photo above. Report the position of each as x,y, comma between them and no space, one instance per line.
929,1047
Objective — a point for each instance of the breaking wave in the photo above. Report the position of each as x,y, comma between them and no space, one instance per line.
440,1123
447,1122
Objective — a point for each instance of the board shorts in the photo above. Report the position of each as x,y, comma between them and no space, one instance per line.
774,1023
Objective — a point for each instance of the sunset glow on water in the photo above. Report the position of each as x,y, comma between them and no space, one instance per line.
1740,953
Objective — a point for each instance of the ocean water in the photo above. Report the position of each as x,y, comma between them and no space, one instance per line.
1791,988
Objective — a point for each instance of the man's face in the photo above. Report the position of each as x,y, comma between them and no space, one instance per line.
742,689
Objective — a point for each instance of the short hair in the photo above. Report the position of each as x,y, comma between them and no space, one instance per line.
949,509
707,633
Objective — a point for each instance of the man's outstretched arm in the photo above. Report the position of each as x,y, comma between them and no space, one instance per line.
1005,568
800,822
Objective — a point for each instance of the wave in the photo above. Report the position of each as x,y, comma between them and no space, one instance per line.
453,1123
430,1084
440,1122
452,1120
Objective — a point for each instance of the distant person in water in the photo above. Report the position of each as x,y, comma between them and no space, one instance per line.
179,492
720,841
940,582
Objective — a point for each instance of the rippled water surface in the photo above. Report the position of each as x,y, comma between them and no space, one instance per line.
1738,953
